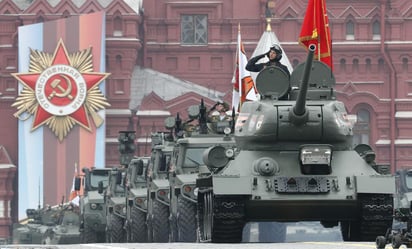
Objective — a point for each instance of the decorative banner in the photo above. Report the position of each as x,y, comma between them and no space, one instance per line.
60,106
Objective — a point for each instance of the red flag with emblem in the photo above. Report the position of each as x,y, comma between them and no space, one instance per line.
315,30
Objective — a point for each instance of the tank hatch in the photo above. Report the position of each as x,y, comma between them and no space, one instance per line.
321,82
272,82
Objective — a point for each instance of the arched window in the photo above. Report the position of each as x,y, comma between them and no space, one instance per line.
368,64
361,130
405,62
355,65
350,30
342,65
117,26
380,65
376,30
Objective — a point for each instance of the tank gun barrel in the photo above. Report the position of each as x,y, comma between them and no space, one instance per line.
299,109
298,114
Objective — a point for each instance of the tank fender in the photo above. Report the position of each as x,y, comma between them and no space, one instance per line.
232,185
375,184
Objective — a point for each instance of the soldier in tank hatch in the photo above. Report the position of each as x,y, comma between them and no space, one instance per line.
274,55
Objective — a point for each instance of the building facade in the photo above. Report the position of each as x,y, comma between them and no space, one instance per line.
164,55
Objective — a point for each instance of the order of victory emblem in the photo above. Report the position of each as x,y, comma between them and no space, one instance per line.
61,90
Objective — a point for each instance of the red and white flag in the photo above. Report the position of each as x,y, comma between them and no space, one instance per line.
315,30
243,85
74,195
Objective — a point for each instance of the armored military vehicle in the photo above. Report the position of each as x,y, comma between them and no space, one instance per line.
187,164
67,229
158,187
92,205
115,199
39,222
295,163
136,194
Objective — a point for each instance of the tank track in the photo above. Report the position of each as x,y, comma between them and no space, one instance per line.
228,219
376,216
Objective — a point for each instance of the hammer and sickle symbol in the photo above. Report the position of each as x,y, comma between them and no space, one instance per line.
63,92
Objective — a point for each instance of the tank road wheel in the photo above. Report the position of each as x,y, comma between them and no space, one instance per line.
186,220
396,241
117,234
380,242
272,232
228,219
138,226
88,235
160,222
204,214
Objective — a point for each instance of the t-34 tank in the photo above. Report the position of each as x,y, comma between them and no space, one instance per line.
295,163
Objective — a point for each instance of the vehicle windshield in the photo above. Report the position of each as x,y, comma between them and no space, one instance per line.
95,179
408,180
194,157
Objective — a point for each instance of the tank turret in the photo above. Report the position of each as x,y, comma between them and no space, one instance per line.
294,111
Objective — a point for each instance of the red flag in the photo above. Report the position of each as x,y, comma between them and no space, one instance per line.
315,30
244,87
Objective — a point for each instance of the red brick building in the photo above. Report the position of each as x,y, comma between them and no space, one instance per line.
164,55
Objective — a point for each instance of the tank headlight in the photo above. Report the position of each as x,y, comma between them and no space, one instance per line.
93,206
229,153
227,130
215,157
316,159
196,191
321,154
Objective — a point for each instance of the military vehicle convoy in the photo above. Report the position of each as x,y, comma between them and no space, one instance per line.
295,163
136,194
92,204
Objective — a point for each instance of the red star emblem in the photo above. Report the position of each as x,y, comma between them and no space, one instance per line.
61,89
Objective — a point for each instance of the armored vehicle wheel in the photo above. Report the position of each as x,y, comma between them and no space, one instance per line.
272,232
204,214
380,242
117,234
88,235
186,220
138,227
160,222
396,241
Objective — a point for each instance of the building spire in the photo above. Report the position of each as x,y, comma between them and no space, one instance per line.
270,4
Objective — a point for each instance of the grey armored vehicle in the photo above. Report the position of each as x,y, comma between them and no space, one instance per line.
136,194
92,206
187,164
67,231
158,187
115,199
39,222
295,163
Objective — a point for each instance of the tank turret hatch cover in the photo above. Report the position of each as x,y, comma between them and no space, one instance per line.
321,76
272,81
